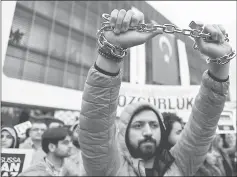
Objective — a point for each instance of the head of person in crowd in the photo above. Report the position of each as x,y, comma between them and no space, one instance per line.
174,127
57,143
75,135
51,121
229,140
141,132
9,138
37,129
224,159
218,142
56,123
211,165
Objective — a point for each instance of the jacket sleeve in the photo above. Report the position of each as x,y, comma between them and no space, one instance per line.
97,124
190,151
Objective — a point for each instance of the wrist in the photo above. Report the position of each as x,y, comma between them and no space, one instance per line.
219,72
108,65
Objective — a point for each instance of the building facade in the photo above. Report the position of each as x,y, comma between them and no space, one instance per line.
54,43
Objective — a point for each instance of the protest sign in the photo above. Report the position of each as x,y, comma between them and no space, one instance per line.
14,161
176,99
21,128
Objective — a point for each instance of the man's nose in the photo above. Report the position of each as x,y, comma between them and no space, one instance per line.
147,130
70,144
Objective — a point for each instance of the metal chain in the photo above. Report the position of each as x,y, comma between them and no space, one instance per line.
222,60
119,52
114,50
167,28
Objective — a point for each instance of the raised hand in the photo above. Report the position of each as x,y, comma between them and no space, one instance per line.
122,36
216,48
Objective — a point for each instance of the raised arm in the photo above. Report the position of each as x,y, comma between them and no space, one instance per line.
97,121
199,132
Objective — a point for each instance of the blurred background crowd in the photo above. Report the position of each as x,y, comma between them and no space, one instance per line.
221,159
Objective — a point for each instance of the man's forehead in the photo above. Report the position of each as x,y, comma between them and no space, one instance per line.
39,124
177,125
67,138
145,116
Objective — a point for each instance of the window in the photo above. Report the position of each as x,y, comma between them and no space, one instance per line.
39,34
34,67
58,45
58,42
22,22
63,11
14,62
45,7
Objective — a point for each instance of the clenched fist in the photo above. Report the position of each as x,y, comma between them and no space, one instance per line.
216,48
122,36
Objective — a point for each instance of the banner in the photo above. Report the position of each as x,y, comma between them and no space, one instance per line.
176,99
14,161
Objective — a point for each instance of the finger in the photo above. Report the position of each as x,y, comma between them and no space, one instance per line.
127,20
113,17
140,18
119,21
220,35
221,27
213,31
137,18
223,31
134,20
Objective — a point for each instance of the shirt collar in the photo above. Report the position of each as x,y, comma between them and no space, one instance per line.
56,171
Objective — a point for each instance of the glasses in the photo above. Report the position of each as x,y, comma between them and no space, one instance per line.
38,129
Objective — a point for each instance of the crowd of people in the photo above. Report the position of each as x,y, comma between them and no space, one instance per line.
144,141
57,149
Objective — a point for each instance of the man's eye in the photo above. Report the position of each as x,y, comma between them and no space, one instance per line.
137,126
154,125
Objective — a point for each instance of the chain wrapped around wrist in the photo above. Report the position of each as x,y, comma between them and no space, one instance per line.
222,60
109,50
117,53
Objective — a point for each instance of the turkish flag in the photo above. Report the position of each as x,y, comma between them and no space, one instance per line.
165,64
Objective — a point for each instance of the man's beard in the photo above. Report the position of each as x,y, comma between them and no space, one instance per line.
144,151
76,143
62,155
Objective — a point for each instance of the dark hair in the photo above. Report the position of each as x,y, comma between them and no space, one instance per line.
169,120
27,132
163,132
53,136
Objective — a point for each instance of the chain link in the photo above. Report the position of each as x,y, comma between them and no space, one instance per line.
114,50
167,28
119,52
222,60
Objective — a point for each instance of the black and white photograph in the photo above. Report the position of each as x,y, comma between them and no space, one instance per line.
118,88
